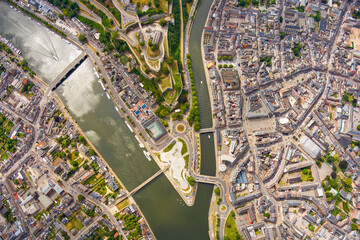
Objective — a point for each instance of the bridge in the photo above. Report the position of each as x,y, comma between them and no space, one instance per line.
158,173
143,184
65,73
207,130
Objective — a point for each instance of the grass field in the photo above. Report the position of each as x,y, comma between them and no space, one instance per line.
230,227
169,96
123,204
177,78
188,7
151,53
163,4
154,64
74,223
165,83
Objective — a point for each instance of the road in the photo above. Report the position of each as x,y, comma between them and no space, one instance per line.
121,105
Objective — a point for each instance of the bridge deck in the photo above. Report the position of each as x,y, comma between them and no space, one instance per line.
66,70
143,184
206,130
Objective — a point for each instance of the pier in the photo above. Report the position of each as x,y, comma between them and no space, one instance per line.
65,73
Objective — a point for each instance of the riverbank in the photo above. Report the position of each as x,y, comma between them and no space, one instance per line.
63,109
166,212
207,77
188,201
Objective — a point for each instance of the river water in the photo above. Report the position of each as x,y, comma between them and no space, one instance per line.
208,161
46,52
202,93
169,217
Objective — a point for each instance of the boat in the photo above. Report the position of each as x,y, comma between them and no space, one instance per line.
118,111
107,95
147,155
96,73
140,143
128,126
102,85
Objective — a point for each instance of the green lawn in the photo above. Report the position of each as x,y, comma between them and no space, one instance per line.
230,228
184,147
186,161
74,223
123,204
165,83
169,96
306,175
311,227
177,77
169,147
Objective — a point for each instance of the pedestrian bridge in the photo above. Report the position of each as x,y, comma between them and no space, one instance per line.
206,130
143,184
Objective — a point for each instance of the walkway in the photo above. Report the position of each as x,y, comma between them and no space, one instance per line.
158,173
206,130
143,184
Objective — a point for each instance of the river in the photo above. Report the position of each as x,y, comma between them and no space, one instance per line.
167,214
208,161
46,52
202,92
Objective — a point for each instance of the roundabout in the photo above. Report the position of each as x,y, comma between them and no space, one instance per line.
180,128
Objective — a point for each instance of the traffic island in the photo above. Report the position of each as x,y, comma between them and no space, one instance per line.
180,128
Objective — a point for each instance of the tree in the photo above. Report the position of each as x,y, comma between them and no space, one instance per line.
242,3
318,163
191,180
16,181
23,63
267,215
217,191
176,116
282,35
166,70
91,152
163,22
170,60
154,47
86,166
142,43
82,38
358,127
348,181
354,226
333,175
343,165
281,19
114,34
80,197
